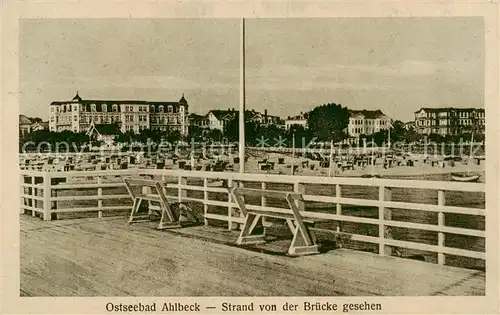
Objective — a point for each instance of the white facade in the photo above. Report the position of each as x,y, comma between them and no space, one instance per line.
76,115
366,122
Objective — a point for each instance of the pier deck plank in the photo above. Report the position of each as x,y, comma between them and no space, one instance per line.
108,257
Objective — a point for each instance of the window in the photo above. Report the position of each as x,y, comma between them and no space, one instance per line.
160,108
170,109
104,108
114,108
75,118
152,108
92,107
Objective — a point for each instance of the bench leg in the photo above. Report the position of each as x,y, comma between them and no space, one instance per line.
252,231
303,242
168,221
133,214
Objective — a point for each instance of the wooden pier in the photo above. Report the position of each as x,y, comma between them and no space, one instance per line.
104,255
108,257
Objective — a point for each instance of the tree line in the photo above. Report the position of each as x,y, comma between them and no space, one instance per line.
325,123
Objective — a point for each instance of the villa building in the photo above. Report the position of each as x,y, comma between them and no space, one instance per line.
366,122
219,118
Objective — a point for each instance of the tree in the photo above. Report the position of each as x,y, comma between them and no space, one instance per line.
411,135
380,137
173,136
327,122
35,119
436,138
398,131
302,136
125,137
196,133
148,135
276,136
232,130
56,140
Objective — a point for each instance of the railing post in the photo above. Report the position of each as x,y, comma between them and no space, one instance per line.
99,193
46,197
301,189
385,194
338,194
230,208
441,224
263,202
33,194
181,192
205,200
23,192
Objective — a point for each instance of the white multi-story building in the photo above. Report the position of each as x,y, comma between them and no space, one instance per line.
76,115
299,120
366,122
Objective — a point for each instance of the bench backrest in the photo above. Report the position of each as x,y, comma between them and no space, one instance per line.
147,186
290,196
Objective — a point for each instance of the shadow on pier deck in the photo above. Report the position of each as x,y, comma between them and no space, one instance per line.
108,257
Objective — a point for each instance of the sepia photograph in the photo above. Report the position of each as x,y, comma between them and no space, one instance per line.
253,157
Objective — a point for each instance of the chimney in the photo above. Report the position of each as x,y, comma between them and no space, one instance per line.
265,113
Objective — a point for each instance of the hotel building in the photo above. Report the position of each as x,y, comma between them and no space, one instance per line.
76,115
449,121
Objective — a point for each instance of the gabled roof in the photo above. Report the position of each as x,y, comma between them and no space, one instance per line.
369,114
77,98
442,109
24,120
227,114
220,113
196,117
43,124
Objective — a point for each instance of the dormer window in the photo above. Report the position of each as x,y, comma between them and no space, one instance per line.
152,108
92,107
160,108
170,109
104,108
114,107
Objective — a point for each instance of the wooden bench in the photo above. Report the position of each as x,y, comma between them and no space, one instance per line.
153,191
253,231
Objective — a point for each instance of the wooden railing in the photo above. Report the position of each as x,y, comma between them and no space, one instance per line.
46,193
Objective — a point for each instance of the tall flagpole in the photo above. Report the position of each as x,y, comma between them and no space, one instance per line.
242,100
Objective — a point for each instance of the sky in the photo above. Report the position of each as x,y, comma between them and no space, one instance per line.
397,65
